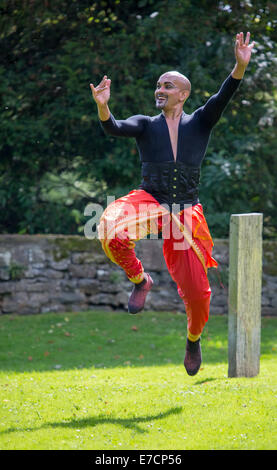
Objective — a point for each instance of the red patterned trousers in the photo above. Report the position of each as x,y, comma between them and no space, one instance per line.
187,248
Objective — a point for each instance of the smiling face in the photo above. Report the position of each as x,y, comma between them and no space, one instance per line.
172,90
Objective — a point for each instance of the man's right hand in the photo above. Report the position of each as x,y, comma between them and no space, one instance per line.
101,93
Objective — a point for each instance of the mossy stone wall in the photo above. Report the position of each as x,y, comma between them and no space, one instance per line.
42,273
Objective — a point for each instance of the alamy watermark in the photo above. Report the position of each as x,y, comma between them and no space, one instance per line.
122,218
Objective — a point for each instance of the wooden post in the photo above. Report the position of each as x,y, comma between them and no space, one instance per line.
245,286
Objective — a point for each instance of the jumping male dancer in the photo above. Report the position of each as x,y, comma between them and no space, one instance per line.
172,146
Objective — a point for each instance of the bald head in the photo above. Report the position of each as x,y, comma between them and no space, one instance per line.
172,90
178,79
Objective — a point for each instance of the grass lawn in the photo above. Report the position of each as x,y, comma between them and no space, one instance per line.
104,380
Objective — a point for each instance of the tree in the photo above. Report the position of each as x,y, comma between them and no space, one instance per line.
54,157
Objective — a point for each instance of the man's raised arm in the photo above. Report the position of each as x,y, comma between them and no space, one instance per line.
131,127
216,104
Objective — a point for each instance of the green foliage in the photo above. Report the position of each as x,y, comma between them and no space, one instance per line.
54,158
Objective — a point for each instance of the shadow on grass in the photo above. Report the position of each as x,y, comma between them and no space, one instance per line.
127,423
204,381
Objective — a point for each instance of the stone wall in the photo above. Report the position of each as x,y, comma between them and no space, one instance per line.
56,273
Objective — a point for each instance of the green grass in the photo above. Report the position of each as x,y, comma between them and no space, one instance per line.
104,380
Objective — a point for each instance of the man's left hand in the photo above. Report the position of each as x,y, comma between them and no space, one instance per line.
243,49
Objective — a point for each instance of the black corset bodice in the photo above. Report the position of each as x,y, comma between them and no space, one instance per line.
171,182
